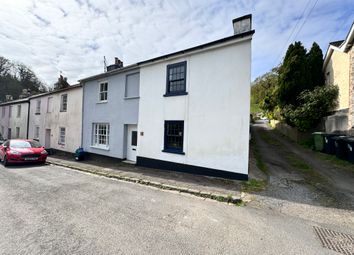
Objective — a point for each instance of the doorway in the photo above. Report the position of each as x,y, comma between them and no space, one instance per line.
47,139
132,142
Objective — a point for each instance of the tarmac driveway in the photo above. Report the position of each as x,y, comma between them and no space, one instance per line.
298,175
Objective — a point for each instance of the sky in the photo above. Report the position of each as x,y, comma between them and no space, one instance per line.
73,36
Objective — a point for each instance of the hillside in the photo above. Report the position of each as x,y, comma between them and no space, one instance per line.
14,77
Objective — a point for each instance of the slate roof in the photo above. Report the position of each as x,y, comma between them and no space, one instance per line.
336,43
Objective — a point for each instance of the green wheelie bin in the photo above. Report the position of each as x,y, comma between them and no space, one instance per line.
318,141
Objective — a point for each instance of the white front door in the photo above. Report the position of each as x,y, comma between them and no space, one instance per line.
132,141
47,139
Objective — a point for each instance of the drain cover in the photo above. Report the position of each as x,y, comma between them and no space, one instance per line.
336,241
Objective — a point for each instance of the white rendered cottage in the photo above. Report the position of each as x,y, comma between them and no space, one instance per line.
185,111
194,107
14,119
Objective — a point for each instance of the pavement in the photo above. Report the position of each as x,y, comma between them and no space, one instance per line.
54,210
210,187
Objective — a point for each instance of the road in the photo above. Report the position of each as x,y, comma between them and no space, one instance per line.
54,210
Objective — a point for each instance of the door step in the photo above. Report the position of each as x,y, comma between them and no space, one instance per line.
129,162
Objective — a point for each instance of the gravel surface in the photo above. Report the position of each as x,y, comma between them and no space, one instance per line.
54,210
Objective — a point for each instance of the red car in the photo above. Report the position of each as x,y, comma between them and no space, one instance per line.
21,151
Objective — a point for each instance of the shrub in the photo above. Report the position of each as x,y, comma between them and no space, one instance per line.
313,106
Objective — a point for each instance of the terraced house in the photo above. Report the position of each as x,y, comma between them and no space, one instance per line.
14,119
55,119
339,70
184,111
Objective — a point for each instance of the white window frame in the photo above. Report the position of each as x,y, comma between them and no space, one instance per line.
19,108
38,106
49,106
102,92
18,132
97,137
36,133
62,135
63,103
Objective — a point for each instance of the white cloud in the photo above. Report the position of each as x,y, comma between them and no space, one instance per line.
73,35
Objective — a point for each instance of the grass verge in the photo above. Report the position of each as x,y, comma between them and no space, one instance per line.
254,185
298,163
257,155
268,139
335,161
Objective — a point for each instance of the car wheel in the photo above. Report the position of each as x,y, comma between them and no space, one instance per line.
5,162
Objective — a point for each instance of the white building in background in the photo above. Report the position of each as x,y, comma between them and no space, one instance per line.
55,119
14,119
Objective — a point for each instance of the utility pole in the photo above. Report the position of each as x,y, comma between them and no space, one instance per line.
104,64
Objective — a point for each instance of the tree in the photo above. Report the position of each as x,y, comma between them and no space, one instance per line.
263,89
294,75
313,106
14,77
5,67
315,64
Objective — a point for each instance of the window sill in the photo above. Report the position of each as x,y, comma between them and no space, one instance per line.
37,113
62,111
127,98
102,102
174,152
175,94
61,144
100,148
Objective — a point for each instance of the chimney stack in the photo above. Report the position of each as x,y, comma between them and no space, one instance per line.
8,98
117,64
242,24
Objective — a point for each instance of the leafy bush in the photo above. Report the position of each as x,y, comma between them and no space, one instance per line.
313,106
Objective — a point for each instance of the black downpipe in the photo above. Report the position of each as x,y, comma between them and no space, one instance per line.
28,118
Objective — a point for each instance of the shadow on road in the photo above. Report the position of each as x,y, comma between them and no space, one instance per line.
24,166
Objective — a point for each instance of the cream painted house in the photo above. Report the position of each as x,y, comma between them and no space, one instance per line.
339,70
55,119
14,119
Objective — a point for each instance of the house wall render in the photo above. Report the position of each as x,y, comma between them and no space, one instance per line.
215,111
52,117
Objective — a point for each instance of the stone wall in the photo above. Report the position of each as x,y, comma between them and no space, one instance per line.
292,132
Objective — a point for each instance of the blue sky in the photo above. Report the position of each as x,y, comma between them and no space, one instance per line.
72,36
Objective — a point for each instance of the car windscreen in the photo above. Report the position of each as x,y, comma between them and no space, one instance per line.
25,144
